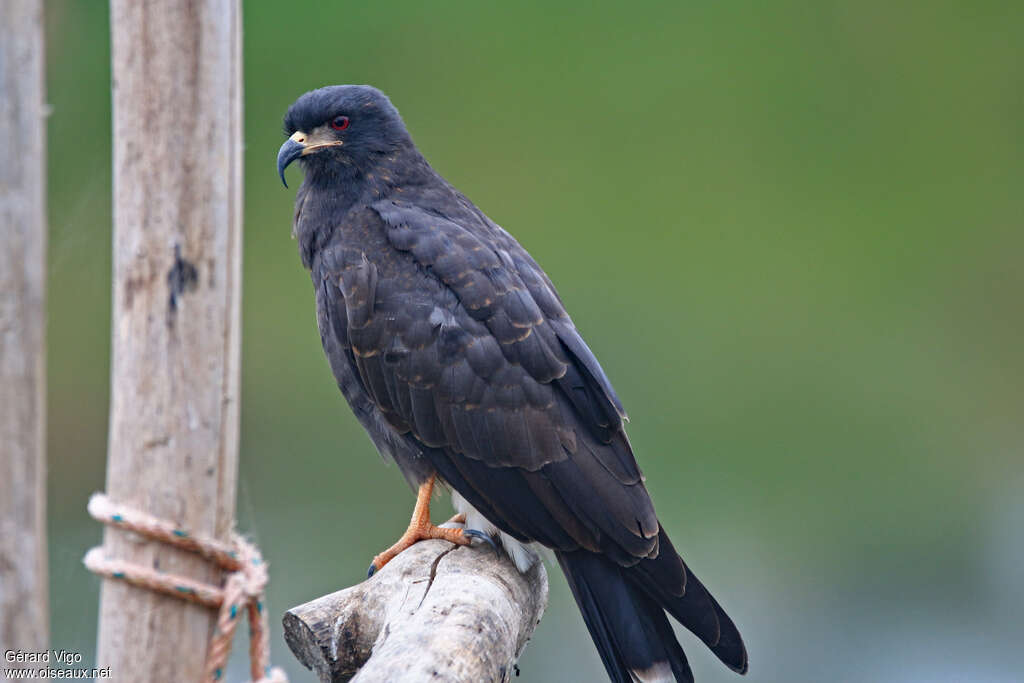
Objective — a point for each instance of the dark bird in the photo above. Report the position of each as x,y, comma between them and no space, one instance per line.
457,355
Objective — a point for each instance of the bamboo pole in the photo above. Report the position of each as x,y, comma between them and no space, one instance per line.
24,618
436,612
173,445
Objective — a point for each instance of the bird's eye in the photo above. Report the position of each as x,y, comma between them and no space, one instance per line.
339,123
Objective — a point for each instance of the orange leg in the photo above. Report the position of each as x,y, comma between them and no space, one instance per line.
421,529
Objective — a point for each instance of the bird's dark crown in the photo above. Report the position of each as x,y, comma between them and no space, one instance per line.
373,118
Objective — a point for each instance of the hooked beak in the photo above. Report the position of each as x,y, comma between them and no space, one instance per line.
289,152
299,145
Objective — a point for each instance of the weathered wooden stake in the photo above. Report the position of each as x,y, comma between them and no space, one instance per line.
437,612
24,619
173,449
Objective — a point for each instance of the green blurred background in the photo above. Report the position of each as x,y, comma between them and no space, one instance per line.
791,231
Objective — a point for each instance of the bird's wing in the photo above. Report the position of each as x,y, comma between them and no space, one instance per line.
500,284
468,350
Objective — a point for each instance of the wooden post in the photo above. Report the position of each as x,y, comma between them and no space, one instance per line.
24,618
173,445
435,612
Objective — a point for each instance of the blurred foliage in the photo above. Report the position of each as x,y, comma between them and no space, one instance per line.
791,231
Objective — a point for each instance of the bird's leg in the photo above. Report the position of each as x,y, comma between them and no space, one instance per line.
421,529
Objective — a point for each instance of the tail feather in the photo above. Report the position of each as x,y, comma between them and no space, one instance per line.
624,609
630,629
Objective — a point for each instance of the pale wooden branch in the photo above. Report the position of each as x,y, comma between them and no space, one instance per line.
173,443
23,583
435,612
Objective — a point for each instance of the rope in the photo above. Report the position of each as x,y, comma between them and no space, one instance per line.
243,589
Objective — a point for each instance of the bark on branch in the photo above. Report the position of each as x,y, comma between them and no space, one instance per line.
435,612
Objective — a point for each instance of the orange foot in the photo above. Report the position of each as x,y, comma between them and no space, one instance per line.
421,529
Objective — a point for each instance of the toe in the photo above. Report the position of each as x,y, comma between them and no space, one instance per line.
451,524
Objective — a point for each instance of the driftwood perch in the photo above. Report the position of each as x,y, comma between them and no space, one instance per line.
435,612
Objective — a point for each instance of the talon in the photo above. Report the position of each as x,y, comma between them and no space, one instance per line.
371,570
473,533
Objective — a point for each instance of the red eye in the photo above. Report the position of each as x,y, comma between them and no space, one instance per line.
339,123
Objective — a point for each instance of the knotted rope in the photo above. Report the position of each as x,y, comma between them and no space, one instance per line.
243,588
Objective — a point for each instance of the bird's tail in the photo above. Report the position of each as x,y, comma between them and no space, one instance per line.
624,609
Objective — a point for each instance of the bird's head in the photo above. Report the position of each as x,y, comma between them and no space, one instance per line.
339,127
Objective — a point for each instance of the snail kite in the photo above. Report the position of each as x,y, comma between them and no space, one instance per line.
457,356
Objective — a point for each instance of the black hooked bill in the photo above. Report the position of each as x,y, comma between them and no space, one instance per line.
289,152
